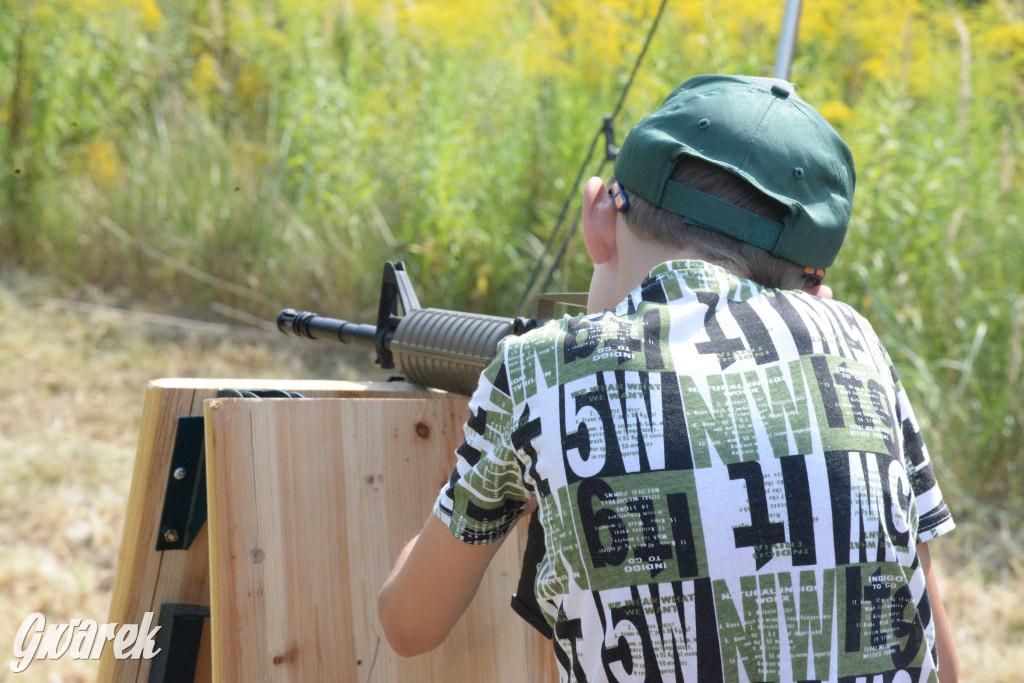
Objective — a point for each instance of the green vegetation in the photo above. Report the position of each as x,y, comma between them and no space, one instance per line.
282,149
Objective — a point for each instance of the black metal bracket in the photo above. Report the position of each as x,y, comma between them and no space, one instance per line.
179,639
184,511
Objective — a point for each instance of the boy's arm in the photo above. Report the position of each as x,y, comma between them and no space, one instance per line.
949,665
432,583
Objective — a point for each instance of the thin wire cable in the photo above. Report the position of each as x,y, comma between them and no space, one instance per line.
569,200
558,225
640,57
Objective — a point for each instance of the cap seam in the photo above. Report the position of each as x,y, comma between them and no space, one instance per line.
757,129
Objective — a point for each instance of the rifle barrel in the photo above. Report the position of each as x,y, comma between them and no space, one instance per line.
312,326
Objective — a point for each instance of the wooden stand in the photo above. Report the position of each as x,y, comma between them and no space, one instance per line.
310,500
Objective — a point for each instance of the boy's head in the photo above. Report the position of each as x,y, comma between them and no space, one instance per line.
744,171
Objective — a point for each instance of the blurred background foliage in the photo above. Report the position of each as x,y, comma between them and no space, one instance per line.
261,153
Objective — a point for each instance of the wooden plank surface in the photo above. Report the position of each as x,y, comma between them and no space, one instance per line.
147,578
310,503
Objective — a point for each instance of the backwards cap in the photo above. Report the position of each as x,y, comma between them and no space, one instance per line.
761,131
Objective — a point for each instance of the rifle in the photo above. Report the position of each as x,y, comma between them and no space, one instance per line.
431,347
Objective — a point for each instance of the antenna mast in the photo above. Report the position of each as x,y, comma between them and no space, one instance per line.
787,40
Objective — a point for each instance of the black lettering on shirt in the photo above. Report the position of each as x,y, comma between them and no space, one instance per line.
678,455
798,507
623,343
851,383
652,552
853,609
682,534
522,440
758,339
801,337
574,349
709,652
761,534
861,506
470,454
632,614
652,340
602,519
724,347
833,410
478,421
572,631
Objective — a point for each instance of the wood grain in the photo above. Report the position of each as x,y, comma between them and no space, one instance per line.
310,503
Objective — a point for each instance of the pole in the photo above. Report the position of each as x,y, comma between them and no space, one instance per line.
787,40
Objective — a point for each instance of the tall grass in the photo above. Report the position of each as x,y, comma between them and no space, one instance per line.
262,153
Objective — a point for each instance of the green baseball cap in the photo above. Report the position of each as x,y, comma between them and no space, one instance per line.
760,130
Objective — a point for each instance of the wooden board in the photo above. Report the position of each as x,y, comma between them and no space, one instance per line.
310,503
147,578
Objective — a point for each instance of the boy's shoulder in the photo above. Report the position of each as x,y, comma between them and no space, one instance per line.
571,348
638,334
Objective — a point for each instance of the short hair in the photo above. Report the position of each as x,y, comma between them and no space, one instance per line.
651,223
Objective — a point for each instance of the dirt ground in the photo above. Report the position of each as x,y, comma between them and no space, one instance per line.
72,381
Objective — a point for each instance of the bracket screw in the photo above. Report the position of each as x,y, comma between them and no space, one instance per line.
171,536
180,473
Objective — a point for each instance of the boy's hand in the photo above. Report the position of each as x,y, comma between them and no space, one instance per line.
823,291
530,507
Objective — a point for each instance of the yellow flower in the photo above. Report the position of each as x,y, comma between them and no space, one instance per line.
45,13
836,112
251,84
152,17
1007,37
455,22
820,20
103,164
206,78
874,66
481,285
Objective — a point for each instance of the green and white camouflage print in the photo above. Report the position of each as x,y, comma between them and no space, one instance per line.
731,483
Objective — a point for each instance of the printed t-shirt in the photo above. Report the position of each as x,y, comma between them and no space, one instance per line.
731,483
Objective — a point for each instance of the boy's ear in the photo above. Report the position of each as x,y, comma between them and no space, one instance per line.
599,221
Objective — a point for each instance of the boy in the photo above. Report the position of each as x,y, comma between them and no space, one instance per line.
728,472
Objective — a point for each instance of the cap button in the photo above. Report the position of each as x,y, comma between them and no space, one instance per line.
782,89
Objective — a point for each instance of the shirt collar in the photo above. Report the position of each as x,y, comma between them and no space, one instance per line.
672,279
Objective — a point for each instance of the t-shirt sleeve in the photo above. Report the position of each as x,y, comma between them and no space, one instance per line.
934,518
485,493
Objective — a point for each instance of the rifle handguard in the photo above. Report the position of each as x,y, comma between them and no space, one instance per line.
449,349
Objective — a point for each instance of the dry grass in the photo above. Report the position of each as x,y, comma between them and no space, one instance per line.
71,389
